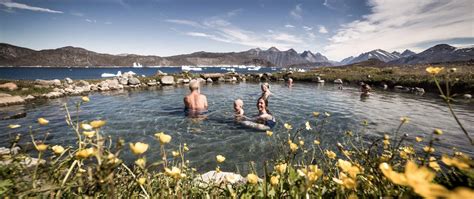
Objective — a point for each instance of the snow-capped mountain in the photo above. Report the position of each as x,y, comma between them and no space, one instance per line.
379,54
438,54
310,57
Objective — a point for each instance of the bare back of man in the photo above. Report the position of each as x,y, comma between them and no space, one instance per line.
195,101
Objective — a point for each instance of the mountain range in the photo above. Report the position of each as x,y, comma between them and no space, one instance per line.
11,55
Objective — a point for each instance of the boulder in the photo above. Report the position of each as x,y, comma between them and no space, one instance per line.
186,81
338,81
179,80
55,82
82,83
221,79
29,98
167,80
133,81
123,80
209,80
159,73
467,96
129,74
53,94
68,80
10,100
213,177
9,86
212,75
5,95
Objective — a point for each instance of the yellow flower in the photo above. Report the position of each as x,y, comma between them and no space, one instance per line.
313,173
345,181
85,153
281,168
428,149
438,132
461,192
365,122
347,167
14,126
308,127
174,172
97,123
418,139
269,133
141,181
315,114
220,158
404,155
138,148
57,149
163,138
43,121
434,70
252,178
41,147
330,154
404,119
274,180
288,126
293,146
460,163
89,134
349,133
433,164
317,142
175,153
386,142
185,147
85,99
301,142
86,127
218,169
141,162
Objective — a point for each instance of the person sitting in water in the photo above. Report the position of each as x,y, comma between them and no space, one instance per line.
239,108
264,116
365,89
195,101
265,91
290,82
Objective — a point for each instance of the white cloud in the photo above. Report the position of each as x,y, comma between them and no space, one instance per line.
91,20
307,28
77,14
289,26
297,12
234,12
286,38
9,4
322,29
185,22
391,26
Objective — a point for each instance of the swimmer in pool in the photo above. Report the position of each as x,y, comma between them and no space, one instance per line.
365,89
265,91
239,110
195,101
264,116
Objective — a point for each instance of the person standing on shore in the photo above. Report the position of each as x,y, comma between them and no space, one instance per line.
195,101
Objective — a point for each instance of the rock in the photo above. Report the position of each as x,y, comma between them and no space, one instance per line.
5,95
159,73
167,80
179,80
338,81
419,90
128,74
68,80
113,84
10,100
214,177
15,116
82,83
53,94
467,96
201,80
186,81
123,80
151,83
221,79
7,151
9,86
212,75
94,87
27,162
29,98
209,80
25,89
133,81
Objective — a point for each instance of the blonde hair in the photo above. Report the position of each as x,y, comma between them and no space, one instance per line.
193,85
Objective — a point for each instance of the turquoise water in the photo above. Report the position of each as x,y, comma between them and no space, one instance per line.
138,114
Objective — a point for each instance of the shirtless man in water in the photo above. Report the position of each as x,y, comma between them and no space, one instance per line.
195,101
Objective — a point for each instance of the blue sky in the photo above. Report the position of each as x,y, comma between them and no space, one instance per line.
336,28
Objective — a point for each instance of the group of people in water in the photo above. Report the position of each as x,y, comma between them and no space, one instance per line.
195,102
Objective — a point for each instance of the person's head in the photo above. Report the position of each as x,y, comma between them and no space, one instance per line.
265,87
262,105
194,85
238,104
290,80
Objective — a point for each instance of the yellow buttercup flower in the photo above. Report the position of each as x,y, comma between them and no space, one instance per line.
428,149
141,162
301,142
57,149
418,139
288,126
281,168
89,134
220,158
41,147
252,178
85,99
43,121
175,153
434,70
185,147
460,163
461,192
433,164
174,172
141,181
404,119
85,153
317,142
438,132
308,127
86,127
163,138
330,154
274,180
138,148
347,167
97,123
345,181
14,126
316,114
293,147
269,133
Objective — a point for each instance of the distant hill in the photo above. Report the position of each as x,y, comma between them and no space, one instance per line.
72,56
379,54
441,53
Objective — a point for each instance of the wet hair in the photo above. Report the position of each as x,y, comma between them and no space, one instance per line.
265,101
193,85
